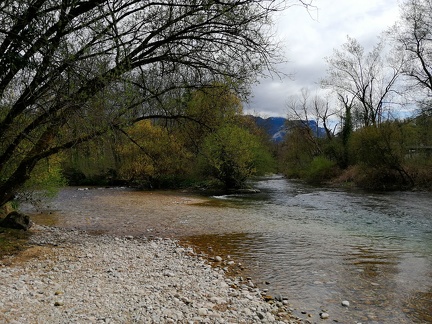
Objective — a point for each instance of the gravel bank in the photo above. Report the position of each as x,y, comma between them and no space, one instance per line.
71,277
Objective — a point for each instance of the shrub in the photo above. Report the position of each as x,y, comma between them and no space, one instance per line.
380,152
232,155
320,169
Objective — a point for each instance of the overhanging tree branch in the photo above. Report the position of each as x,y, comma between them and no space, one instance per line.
73,66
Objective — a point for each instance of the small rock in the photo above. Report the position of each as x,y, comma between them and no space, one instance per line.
58,303
247,311
267,298
186,301
345,303
16,220
202,311
169,274
278,297
324,315
218,258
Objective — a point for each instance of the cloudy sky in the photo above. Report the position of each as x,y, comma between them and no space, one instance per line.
308,38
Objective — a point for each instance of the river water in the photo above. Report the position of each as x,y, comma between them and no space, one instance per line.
316,246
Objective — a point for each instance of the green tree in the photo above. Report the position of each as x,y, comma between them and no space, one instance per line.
45,181
380,152
232,155
209,108
72,70
298,150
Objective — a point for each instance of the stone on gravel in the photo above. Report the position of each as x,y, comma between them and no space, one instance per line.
16,220
81,278
324,315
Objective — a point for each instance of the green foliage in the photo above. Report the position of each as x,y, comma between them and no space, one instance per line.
45,181
296,153
209,109
157,154
300,157
392,155
379,147
320,169
335,150
232,155
380,153
74,176
79,75
418,160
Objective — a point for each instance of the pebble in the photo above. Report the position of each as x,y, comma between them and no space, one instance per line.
202,311
345,303
80,278
324,315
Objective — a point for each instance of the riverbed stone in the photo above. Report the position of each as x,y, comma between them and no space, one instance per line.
176,287
202,311
16,220
324,315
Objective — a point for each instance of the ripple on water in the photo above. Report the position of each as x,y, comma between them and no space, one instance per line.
314,245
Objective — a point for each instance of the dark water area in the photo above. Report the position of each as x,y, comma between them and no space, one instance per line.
316,246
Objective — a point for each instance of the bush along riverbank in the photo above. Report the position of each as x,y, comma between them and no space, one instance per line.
67,276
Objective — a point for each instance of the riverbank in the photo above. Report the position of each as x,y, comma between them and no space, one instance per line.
68,276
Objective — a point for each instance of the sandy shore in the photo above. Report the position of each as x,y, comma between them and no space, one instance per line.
67,276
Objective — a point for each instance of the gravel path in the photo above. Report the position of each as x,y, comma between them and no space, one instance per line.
68,276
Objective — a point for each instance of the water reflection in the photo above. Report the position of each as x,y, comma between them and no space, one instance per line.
372,263
232,244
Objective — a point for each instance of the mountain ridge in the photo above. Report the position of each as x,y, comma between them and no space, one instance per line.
277,127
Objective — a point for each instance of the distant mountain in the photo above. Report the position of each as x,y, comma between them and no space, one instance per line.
274,126
277,127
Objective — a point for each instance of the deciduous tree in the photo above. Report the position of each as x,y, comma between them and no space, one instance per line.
72,69
232,155
366,79
412,36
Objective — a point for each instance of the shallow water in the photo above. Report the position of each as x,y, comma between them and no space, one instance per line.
316,246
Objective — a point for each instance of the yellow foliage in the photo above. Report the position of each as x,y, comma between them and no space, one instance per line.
151,151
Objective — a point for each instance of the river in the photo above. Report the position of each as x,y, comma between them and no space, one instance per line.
316,246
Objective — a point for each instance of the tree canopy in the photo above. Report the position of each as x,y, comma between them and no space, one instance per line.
71,70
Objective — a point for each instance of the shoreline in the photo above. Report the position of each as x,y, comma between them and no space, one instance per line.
69,276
